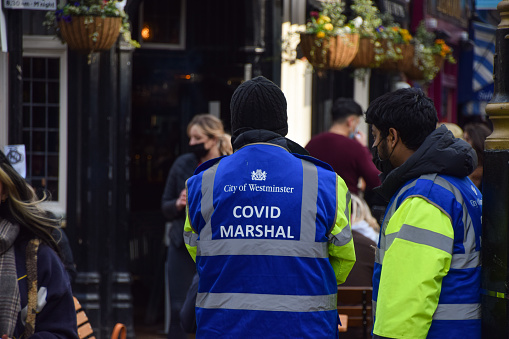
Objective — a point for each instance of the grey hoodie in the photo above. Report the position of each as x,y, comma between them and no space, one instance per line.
439,153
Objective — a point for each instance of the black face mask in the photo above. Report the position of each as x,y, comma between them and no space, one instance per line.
199,150
383,166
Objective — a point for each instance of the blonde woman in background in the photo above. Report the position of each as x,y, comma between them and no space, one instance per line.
207,140
362,220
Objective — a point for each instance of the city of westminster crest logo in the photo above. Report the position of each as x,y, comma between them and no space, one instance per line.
258,175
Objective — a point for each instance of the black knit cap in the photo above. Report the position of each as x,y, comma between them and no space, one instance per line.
259,104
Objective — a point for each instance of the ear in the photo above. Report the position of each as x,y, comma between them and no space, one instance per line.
393,137
350,120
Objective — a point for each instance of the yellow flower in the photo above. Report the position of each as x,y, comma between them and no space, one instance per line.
320,34
325,18
328,26
404,31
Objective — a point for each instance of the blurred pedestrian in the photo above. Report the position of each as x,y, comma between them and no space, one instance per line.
427,274
269,230
475,134
341,147
207,140
35,293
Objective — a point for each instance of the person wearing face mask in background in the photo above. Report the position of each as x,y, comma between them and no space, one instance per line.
207,140
341,147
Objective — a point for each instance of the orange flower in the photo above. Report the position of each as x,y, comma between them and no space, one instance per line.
320,35
395,29
439,41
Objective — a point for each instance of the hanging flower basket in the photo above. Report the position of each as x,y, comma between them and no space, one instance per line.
90,33
414,72
407,54
365,57
335,52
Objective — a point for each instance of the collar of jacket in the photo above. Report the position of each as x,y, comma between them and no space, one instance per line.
439,153
245,136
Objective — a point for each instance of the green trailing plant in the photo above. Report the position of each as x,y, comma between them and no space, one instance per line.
427,50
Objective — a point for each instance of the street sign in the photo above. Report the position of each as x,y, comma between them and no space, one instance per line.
43,5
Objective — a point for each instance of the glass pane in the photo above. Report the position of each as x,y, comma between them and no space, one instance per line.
38,168
53,145
39,92
52,187
39,117
53,166
39,68
26,141
53,92
27,71
53,117
26,92
26,116
53,68
161,21
38,141
29,165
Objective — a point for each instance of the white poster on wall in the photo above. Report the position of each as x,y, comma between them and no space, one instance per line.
16,156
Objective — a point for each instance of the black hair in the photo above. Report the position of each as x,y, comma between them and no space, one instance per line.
343,108
409,111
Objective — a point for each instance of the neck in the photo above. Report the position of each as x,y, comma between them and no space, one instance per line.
340,129
399,157
213,153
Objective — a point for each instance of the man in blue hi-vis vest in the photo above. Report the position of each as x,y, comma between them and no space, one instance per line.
269,229
427,274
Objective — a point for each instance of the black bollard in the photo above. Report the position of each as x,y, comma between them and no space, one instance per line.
495,236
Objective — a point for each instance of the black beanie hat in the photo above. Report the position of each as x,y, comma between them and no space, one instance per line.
259,104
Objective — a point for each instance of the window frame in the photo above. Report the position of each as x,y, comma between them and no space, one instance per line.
49,47
166,46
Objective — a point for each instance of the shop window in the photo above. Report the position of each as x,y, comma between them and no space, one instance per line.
163,24
44,120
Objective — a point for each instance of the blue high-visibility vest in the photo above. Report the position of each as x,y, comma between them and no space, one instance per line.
263,218
458,314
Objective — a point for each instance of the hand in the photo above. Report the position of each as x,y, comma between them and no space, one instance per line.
361,138
5,336
181,201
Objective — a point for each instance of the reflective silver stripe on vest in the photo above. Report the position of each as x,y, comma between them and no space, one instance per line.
207,200
309,198
267,302
190,238
467,260
450,311
305,247
469,235
457,312
345,235
426,237
274,247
